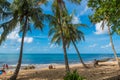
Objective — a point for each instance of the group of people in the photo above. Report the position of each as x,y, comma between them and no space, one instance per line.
51,67
4,68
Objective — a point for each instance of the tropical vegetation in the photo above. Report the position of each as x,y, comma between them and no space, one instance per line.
106,16
71,33
63,31
73,76
60,11
24,12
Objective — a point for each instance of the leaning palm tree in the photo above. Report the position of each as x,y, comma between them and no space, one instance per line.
23,12
59,10
73,35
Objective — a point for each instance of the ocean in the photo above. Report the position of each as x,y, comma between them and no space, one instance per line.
11,59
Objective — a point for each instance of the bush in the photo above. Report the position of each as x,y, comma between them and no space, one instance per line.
73,76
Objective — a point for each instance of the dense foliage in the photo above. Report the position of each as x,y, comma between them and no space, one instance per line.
107,11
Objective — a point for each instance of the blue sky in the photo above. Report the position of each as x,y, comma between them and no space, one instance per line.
96,39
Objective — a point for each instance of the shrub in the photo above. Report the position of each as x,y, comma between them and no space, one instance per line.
73,76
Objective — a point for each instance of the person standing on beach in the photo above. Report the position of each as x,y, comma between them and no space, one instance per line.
5,66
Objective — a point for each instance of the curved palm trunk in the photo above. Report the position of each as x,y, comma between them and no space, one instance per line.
14,76
79,54
113,48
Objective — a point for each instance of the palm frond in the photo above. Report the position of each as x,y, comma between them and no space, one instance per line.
51,31
37,17
55,37
5,9
7,28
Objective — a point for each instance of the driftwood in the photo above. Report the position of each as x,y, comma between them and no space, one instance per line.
96,62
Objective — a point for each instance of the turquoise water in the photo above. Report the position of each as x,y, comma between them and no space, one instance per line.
49,58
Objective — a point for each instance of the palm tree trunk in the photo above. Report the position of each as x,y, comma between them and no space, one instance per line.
79,54
65,52
63,41
113,48
14,76
65,56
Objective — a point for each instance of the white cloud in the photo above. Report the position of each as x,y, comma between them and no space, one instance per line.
15,36
99,29
75,20
106,46
93,45
26,39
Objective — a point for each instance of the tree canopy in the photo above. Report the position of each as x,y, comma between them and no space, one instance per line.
107,11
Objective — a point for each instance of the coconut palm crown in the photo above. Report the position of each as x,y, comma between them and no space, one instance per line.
25,13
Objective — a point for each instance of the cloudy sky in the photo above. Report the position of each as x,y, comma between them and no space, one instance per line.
96,39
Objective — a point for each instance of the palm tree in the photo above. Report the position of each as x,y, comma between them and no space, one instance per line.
23,12
59,10
107,16
112,44
59,33
57,22
74,35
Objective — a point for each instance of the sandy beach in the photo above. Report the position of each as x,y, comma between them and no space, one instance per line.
104,71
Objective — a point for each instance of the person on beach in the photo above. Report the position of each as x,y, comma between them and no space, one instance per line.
95,63
51,67
5,66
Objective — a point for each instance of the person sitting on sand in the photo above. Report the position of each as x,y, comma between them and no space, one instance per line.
51,67
95,62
